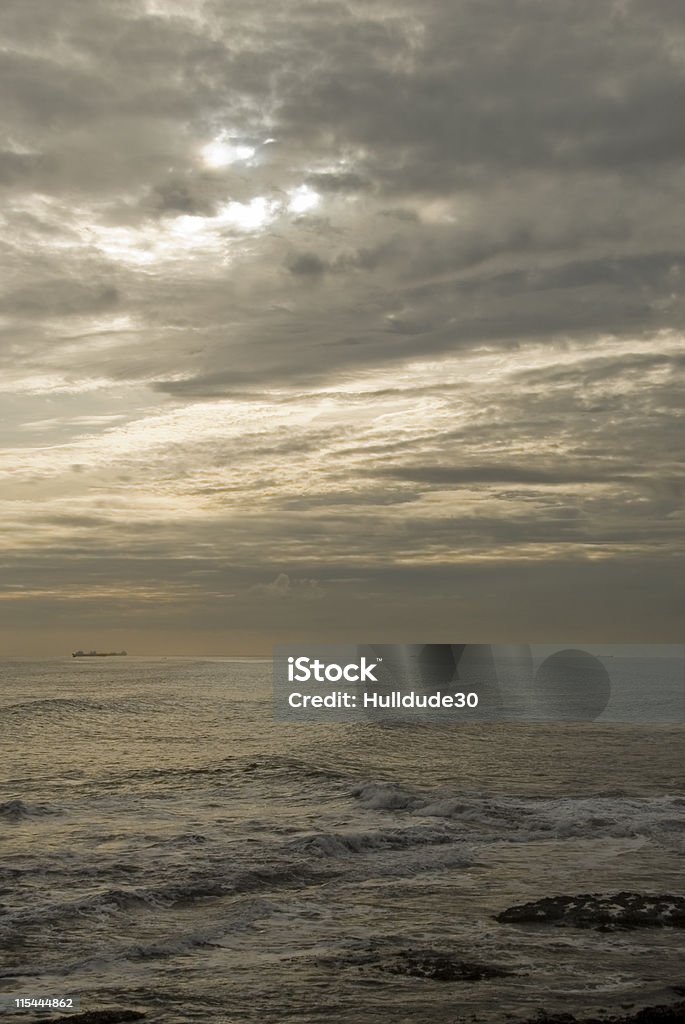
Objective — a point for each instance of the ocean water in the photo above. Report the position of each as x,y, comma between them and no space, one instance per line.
165,845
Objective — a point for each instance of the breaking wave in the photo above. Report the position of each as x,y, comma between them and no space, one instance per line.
346,844
527,819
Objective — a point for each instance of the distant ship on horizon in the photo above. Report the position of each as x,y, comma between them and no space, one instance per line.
98,654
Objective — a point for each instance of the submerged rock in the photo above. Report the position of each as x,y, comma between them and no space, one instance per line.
622,910
413,962
437,966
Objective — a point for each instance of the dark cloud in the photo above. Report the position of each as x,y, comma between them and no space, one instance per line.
306,264
178,196
337,182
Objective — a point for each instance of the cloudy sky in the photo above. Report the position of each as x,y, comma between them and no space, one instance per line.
337,320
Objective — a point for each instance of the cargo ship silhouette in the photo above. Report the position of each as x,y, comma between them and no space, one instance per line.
98,654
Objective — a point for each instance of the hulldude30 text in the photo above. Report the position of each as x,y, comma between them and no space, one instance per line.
383,701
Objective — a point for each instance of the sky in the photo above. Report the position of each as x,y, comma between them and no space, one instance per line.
352,322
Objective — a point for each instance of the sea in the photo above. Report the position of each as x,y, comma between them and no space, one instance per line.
167,846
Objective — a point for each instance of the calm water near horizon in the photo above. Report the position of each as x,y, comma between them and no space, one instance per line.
166,845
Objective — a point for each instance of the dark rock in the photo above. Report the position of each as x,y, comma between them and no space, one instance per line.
674,1014
666,1014
622,910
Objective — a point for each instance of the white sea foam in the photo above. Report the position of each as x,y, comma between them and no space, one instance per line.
527,819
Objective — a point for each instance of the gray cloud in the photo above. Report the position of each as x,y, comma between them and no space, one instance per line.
344,182
61,297
504,473
306,264
309,290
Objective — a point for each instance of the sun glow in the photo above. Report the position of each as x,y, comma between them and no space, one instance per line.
248,216
303,199
222,153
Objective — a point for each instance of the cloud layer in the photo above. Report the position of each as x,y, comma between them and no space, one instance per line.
321,318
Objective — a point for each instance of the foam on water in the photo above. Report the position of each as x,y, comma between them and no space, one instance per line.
530,819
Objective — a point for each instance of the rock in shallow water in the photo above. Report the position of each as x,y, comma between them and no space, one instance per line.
622,910
416,962
439,967
665,1014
